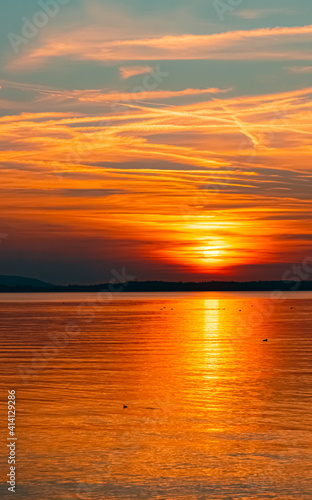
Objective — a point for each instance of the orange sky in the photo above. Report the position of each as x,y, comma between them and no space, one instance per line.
170,179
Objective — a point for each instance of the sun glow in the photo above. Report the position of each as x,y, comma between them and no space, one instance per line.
211,252
212,255
137,191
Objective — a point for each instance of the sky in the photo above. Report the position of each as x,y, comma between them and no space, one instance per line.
166,140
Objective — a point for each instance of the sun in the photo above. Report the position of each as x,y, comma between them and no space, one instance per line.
211,252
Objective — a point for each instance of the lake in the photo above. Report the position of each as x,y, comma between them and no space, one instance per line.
165,396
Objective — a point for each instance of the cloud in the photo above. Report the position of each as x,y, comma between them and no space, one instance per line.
43,94
128,71
119,97
226,167
259,13
300,69
91,44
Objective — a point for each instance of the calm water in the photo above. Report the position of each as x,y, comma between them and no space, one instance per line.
213,412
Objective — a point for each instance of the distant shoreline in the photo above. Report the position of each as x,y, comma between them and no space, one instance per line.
162,286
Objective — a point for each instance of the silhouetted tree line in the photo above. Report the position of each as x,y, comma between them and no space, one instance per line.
165,286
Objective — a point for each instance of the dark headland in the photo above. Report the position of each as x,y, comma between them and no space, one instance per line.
15,284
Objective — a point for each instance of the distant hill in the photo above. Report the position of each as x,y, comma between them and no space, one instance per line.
13,281
16,284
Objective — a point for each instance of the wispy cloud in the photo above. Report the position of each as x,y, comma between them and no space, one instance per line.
43,94
260,13
128,71
264,43
184,168
300,69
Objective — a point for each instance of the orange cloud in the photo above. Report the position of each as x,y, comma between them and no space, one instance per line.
97,96
300,69
259,13
264,43
207,185
128,71
140,92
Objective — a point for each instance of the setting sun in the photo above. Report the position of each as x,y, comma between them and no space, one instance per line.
211,253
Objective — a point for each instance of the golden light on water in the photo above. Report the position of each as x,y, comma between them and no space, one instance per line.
171,144
202,399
